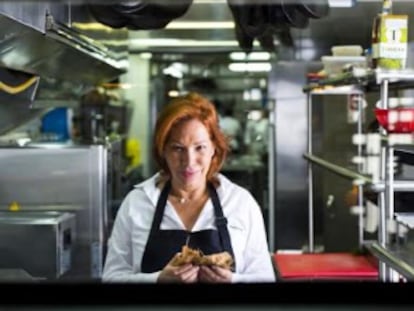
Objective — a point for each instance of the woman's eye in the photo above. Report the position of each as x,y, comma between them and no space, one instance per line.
201,147
177,148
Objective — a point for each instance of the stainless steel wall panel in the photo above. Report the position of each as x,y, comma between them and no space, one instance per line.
286,81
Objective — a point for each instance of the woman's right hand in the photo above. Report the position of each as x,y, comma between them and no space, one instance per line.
187,273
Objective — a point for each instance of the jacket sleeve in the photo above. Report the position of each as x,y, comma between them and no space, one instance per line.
119,264
258,265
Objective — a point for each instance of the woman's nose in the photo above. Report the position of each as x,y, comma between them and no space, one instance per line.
188,157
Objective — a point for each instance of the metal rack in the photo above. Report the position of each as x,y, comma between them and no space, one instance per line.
360,81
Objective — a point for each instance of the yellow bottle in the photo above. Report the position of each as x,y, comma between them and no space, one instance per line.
389,39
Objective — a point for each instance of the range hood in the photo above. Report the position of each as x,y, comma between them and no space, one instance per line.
39,42
36,39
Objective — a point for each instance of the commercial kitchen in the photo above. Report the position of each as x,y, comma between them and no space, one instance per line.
81,83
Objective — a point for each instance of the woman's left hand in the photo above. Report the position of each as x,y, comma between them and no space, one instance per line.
214,274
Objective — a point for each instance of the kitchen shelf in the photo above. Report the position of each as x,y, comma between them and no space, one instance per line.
398,185
393,256
405,219
368,79
342,171
401,259
360,179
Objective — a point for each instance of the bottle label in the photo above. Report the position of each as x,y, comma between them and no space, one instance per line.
391,48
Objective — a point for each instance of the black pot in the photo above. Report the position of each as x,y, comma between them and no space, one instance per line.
137,15
107,15
293,15
316,9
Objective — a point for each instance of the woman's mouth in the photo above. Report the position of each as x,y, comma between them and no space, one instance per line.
188,174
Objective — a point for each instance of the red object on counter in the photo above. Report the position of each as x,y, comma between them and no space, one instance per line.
325,266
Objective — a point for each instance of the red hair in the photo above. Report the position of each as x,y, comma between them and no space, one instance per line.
184,108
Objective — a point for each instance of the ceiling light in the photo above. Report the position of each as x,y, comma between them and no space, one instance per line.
341,3
200,25
209,1
253,56
250,67
173,93
164,42
145,55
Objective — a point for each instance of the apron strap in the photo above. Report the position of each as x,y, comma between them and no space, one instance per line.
221,221
159,210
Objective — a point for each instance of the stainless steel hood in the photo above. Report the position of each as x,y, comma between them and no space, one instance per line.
36,38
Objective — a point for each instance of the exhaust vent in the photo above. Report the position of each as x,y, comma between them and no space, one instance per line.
67,62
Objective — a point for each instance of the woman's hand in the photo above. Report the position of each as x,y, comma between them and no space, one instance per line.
187,273
214,274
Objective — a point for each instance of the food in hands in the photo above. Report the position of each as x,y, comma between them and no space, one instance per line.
196,257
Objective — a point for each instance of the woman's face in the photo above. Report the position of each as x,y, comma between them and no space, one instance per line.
188,153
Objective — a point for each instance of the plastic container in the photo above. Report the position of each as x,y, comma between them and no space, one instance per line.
396,120
56,124
334,65
394,102
347,50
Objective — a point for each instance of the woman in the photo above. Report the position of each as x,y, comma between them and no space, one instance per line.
188,202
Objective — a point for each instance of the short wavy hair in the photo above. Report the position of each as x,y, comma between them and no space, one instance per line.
183,108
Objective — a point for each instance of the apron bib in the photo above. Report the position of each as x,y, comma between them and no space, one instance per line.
162,245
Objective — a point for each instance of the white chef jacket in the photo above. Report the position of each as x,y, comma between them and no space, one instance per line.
133,222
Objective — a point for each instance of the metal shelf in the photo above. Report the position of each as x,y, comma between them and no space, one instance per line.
392,256
399,185
368,79
401,259
342,171
405,219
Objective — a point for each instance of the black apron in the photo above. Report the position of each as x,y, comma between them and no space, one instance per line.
162,245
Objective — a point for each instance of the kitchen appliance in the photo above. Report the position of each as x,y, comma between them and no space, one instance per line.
39,243
63,178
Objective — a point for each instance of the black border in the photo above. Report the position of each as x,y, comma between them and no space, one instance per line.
274,294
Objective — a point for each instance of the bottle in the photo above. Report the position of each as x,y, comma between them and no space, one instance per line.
376,31
386,7
389,39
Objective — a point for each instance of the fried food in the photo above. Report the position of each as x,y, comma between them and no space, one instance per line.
194,256
187,255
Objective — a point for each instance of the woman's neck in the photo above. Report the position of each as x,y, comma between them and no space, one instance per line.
188,194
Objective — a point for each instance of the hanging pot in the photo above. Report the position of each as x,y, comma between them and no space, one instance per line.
293,15
144,22
244,40
276,16
253,19
316,9
285,36
107,15
163,10
267,41
139,14
130,7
